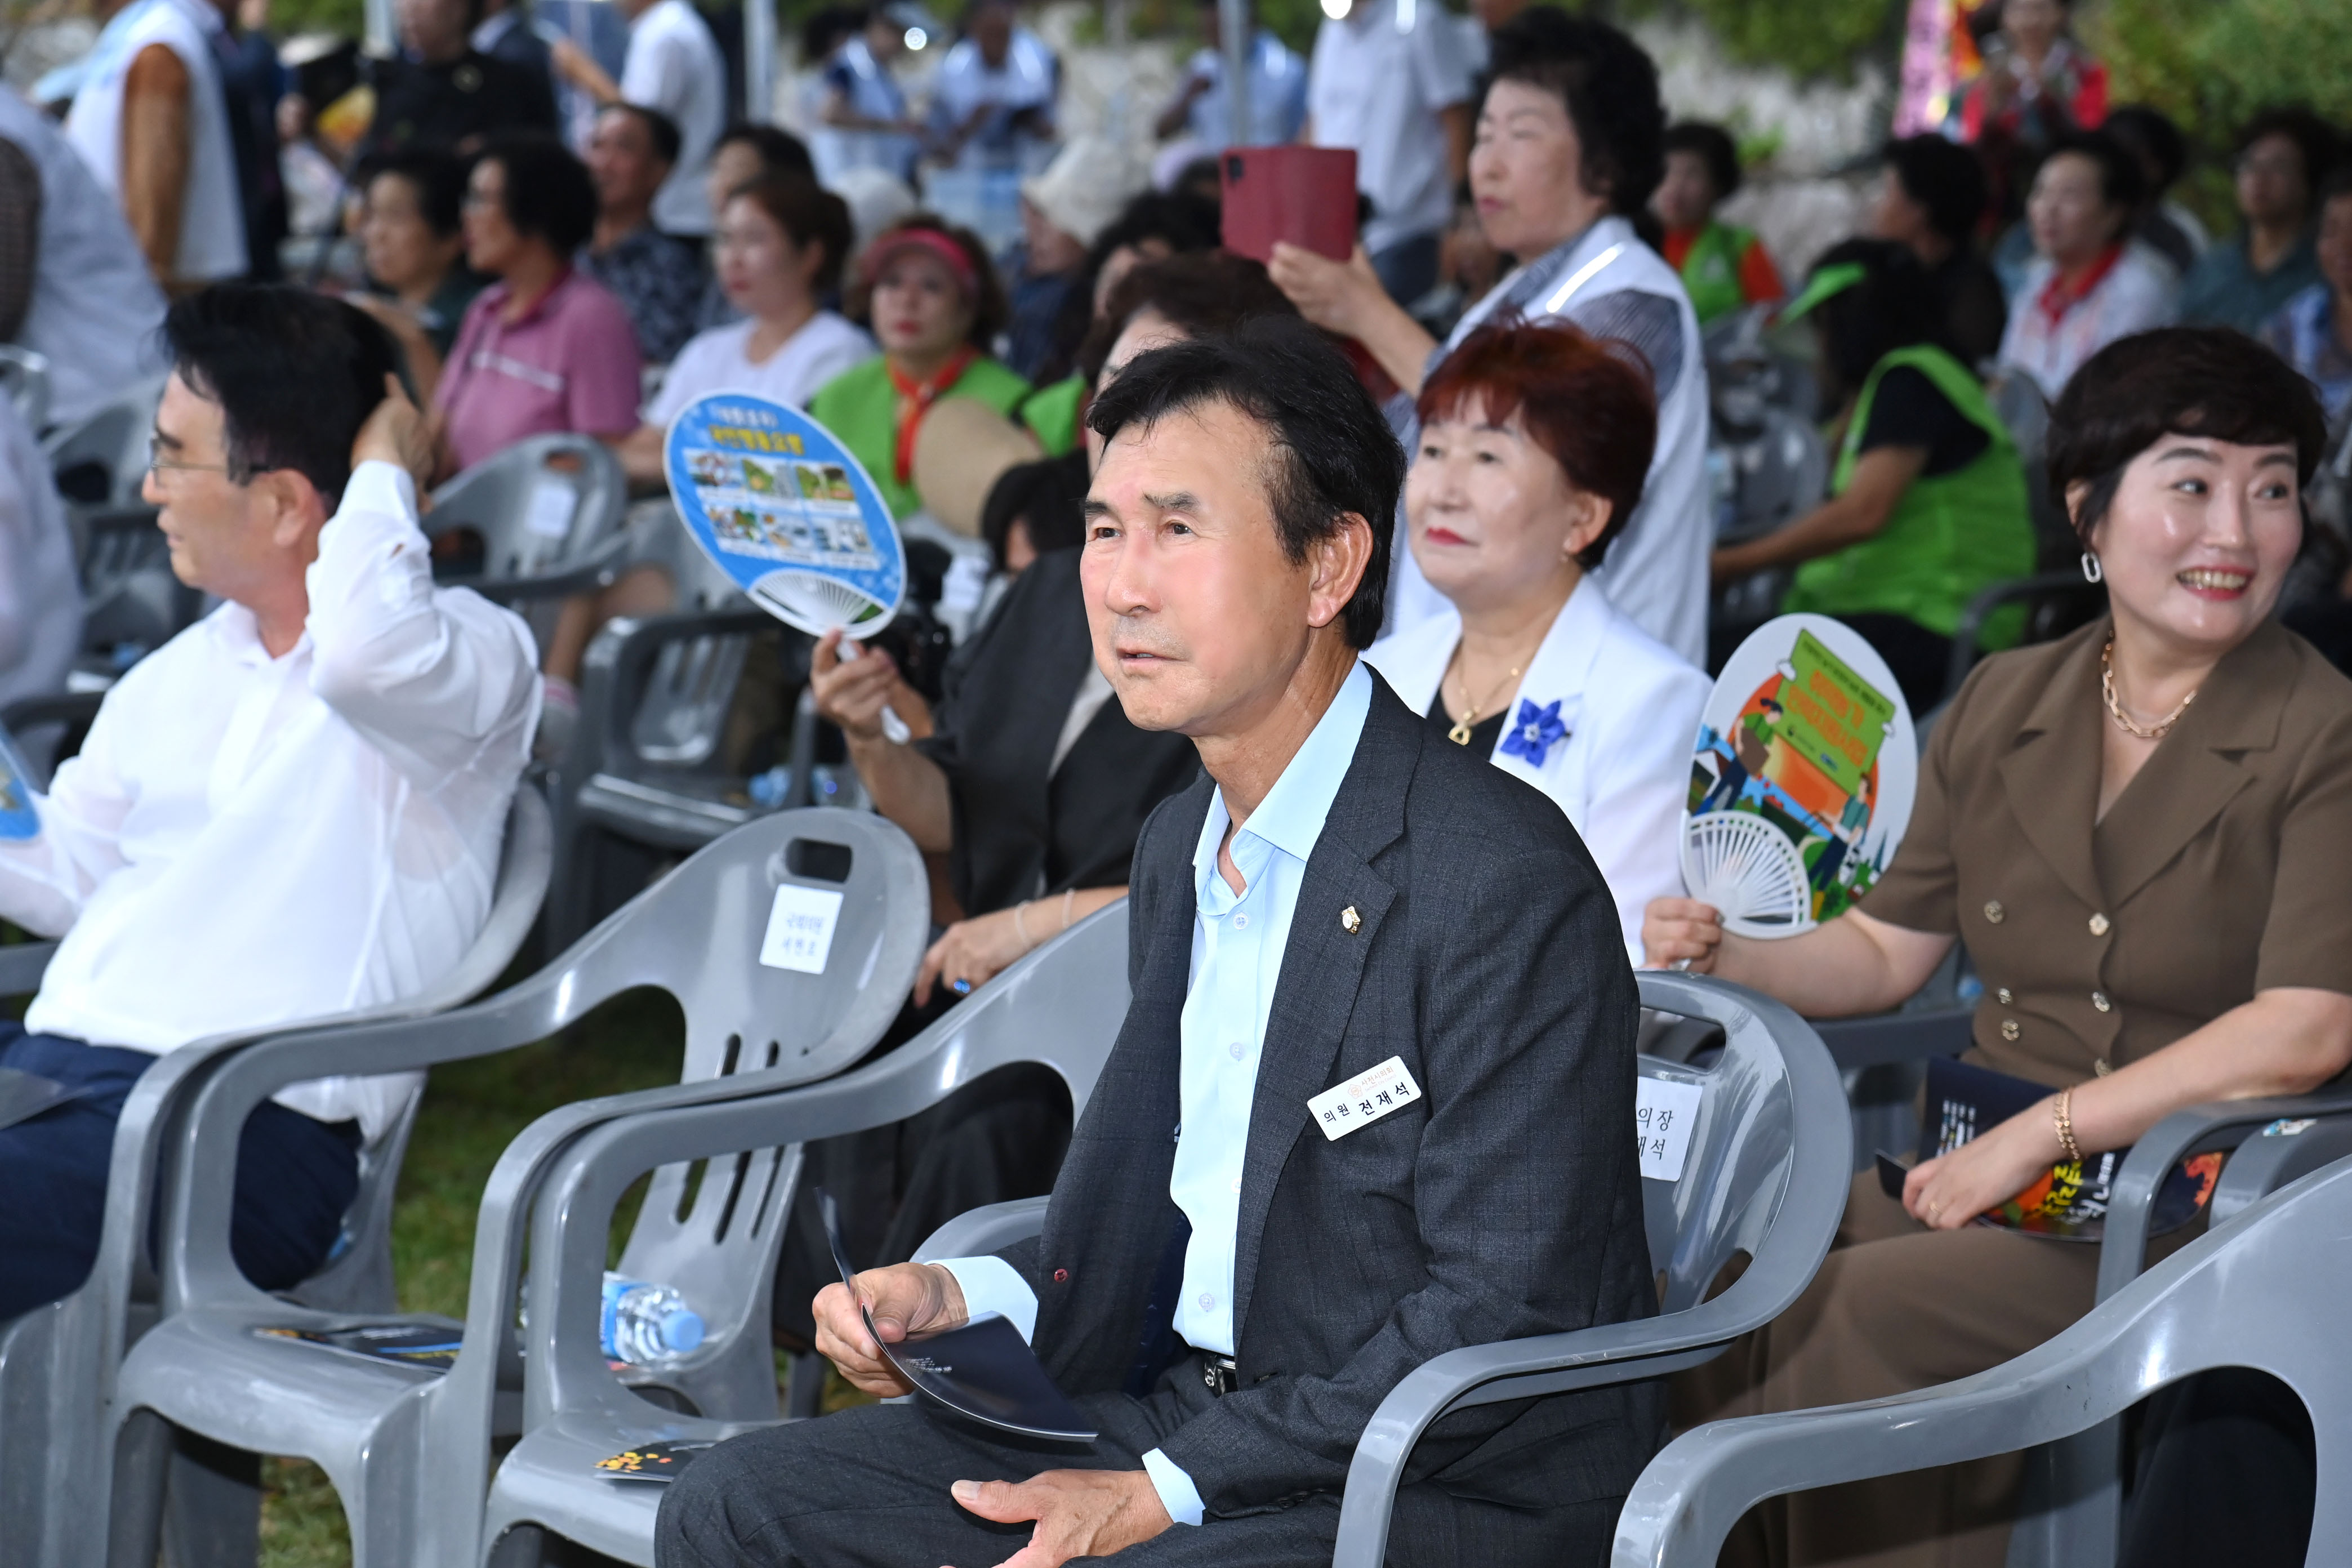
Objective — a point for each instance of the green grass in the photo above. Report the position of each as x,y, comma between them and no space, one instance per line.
471,1111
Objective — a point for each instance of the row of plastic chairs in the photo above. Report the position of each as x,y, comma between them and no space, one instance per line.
408,1448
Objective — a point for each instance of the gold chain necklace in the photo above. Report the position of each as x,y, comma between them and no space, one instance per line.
1460,734
2115,707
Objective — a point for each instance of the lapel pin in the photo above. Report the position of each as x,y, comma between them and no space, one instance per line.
1349,920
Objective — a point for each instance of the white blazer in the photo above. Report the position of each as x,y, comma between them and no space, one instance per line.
1631,706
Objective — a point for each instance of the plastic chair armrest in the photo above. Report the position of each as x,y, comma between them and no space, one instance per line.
985,1230
2266,1162
2223,1125
1981,609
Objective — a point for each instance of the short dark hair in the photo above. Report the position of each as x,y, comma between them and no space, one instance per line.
1333,453
778,149
549,195
1715,148
991,310
1180,222
1610,85
2313,137
296,374
1891,308
1200,293
2121,183
2212,381
660,129
1588,403
1046,496
437,176
2151,136
809,213
1943,177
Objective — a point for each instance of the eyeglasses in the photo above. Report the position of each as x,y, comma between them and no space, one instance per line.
159,465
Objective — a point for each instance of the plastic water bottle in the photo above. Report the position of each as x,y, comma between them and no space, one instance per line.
769,791
648,1324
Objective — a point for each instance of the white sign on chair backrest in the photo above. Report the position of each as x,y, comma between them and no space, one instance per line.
800,928
553,503
1664,1112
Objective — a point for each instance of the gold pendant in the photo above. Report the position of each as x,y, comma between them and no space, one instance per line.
1460,734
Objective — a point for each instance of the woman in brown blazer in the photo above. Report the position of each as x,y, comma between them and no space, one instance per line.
2141,833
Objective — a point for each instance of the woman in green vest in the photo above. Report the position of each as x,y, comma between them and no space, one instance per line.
1723,266
931,299
1928,500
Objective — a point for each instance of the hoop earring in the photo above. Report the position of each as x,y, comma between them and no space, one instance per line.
2092,571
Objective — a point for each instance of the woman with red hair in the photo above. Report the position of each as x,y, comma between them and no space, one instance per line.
1534,444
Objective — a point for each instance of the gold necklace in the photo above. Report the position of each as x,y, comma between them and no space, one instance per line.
1460,734
2115,707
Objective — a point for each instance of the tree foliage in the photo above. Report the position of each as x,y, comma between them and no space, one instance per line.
2211,63
1807,38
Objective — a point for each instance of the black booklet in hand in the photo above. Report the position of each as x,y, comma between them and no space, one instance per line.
2069,1201
985,1370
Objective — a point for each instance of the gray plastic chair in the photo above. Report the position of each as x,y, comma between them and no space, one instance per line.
409,1449
645,762
1061,1005
133,601
1766,1175
2263,1290
58,1363
2055,604
548,514
2069,1507
25,382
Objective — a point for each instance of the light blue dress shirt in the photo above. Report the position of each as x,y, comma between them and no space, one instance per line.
1277,97
1238,940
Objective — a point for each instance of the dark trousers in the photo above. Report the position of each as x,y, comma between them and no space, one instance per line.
869,1489
2228,1473
294,1177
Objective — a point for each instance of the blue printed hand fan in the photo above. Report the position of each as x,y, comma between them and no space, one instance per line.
1801,779
18,819
782,507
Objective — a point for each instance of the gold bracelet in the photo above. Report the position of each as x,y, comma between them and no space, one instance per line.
1021,929
2062,1111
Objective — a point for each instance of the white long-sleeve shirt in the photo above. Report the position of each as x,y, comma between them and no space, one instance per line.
247,842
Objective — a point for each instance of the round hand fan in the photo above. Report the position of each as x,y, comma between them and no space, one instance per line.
1801,779
782,507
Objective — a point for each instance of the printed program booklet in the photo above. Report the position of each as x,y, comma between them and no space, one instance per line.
660,1463
984,1370
2068,1203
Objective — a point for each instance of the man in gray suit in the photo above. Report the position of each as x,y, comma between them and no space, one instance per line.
1234,1271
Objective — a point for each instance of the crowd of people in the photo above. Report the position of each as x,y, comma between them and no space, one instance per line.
1349,617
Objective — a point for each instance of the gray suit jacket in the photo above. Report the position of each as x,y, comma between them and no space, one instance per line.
1505,1203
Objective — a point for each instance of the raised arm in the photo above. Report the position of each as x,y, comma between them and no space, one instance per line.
440,679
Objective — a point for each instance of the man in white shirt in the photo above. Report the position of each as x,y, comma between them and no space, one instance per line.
672,66
291,811
1388,80
992,100
1367,1106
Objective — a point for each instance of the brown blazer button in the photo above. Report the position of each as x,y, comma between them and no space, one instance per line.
2002,996
2099,1000
1993,912
2009,1028
2099,925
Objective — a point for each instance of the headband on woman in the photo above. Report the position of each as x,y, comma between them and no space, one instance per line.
967,277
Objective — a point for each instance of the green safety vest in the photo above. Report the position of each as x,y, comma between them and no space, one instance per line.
1711,270
1950,536
1052,414
861,408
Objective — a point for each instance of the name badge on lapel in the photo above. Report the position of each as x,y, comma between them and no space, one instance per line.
1363,1099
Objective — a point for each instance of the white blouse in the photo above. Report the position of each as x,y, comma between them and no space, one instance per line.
1628,709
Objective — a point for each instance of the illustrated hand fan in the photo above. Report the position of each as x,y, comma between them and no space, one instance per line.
1801,779
782,507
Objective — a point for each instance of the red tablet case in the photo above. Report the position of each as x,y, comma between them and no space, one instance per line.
1303,195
